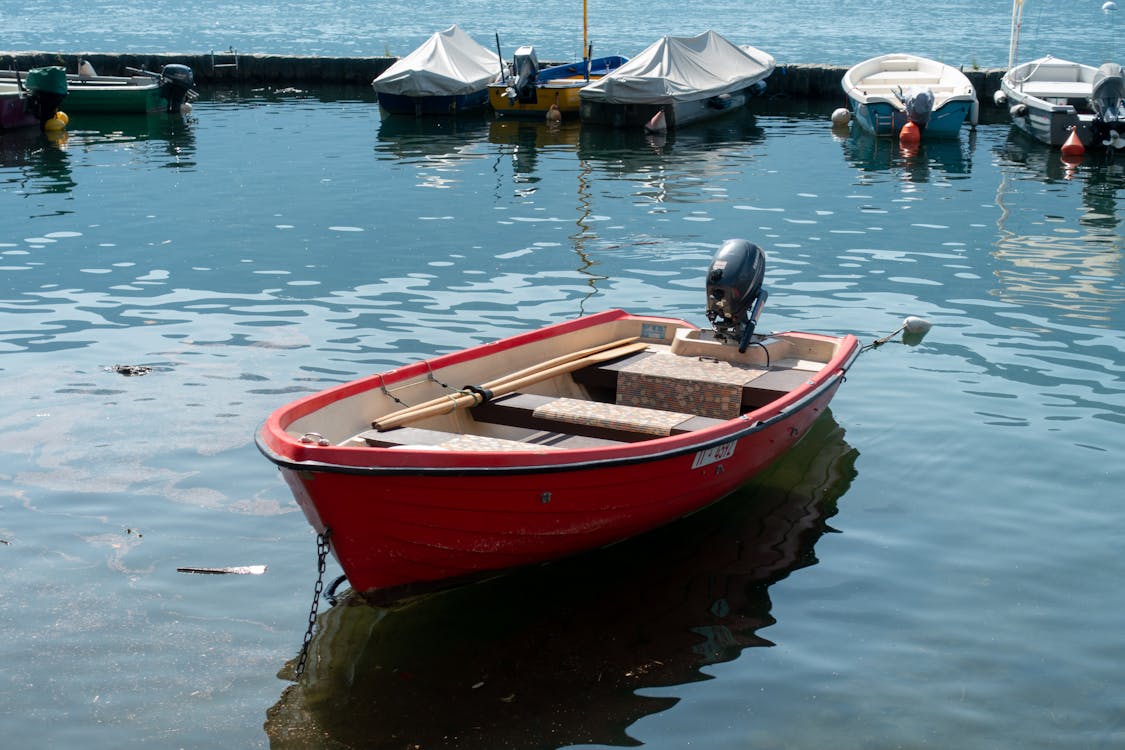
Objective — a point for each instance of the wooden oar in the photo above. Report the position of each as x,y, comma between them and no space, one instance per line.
570,356
512,382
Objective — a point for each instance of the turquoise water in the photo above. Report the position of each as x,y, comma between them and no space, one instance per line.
959,32
936,566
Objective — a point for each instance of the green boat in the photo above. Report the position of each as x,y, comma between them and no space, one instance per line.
139,93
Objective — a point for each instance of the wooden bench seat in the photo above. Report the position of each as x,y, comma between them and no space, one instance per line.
439,440
761,386
592,419
417,436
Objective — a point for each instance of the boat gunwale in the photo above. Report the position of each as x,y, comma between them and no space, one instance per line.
853,85
282,448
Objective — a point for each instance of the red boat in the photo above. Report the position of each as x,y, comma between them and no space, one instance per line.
568,438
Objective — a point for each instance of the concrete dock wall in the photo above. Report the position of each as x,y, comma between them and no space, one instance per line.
803,81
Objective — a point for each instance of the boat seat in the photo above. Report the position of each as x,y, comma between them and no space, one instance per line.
1056,89
417,437
594,419
720,390
901,78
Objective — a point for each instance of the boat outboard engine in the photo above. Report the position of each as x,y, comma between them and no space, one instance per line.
525,67
734,291
919,103
1106,101
175,85
45,90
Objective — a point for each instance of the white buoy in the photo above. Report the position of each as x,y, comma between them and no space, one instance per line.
841,117
185,108
1109,7
85,69
915,325
657,124
999,98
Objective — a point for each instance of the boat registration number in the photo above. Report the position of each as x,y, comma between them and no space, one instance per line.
713,454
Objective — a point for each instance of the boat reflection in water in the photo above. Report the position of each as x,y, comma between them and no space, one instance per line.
927,161
556,655
36,161
1046,259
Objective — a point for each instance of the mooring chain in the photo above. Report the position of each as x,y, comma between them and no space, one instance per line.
321,560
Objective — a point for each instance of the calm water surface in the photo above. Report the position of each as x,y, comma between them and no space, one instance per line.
959,32
936,566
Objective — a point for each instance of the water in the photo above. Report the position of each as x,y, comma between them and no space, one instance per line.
959,32
935,566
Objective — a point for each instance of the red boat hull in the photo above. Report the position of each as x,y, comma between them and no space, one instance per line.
402,522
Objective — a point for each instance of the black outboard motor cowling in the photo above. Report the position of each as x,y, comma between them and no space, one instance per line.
734,291
175,85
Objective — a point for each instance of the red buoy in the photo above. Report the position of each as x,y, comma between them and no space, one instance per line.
909,133
1073,145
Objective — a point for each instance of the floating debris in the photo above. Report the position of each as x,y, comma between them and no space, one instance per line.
130,370
240,570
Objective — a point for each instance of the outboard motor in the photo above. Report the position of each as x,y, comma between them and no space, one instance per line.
1106,101
175,85
525,67
45,90
919,105
734,291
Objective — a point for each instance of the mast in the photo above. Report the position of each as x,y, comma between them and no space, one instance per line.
1014,38
585,42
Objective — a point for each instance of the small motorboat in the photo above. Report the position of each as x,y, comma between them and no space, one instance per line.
1053,100
1050,98
32,99
446,74
551,442
886,92
143,91
533,91
676,81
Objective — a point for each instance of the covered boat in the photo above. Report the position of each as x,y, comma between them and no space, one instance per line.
565,439
446,74
886,92
677,80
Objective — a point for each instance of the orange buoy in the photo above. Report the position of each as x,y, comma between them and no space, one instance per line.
1073,145
909,134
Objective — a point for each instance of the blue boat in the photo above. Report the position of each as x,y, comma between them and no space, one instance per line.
886,92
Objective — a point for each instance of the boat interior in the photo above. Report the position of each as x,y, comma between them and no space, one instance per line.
656,388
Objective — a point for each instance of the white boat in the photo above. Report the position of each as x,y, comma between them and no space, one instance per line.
1048,98
676,81
446,74
888,91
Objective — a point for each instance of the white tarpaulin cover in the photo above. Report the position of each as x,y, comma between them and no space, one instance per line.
449,63
682,68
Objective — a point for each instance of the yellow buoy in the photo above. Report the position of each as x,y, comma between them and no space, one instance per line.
63,116
54,125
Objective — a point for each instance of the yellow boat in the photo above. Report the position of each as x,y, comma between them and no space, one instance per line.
527,90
